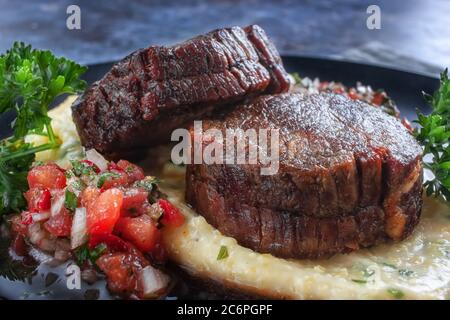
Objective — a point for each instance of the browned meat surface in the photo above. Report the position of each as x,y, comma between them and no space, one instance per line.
349,176
144,97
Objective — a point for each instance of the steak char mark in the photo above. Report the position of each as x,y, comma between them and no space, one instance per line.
144,97
349,177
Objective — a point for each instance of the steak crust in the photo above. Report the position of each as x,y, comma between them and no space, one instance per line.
153,91
349,176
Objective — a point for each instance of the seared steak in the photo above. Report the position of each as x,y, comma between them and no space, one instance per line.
155,90
349,176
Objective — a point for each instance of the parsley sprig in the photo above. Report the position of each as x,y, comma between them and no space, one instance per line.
434,135
30,80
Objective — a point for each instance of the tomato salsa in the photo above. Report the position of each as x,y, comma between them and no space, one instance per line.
106,216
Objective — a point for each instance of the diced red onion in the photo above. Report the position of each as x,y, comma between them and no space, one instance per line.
41,238
78,234
153,282
63,244
97,159
71,182
41,216
57,204
89,275
36,234
62,255
47,244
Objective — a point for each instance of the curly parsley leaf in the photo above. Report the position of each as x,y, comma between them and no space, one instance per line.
30,80
13,176
434,135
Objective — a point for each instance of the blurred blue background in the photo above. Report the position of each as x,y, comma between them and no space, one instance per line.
414,35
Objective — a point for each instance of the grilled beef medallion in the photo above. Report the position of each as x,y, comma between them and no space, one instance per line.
144,97
349,177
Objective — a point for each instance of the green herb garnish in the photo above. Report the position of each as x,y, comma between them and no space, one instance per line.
402,272
434,134
296,77
83,253
77,184
71,200
105,176
396,293
37,164
406,273
360,281
148,183
30,80
13,176
80,168
389,265
223,253
96,253
362,273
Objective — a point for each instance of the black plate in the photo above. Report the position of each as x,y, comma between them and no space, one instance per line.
404,87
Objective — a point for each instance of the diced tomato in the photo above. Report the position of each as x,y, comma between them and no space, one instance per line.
19,222
338,90
60,224
103,214
27,218
91,164
172,216
38,199
352,94
118,178
140,231
49,176
134,200
113,166
134,172
121,271
89,196
19,245
159,253
378,98
114,243
323,85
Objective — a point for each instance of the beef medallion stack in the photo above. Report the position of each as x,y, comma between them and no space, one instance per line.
349,175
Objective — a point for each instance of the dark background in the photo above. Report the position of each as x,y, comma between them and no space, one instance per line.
415,35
